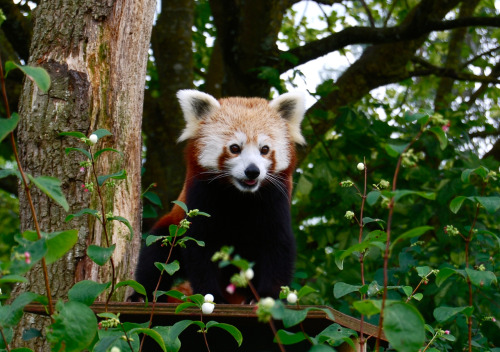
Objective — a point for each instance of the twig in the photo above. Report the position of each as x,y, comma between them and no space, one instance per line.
204,332
362,255
28,193
156,289
388,241
271,322
5,340
104,225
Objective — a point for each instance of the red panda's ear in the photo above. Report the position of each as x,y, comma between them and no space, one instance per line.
195,106
291,107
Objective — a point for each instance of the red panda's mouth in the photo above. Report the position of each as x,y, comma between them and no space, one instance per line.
250,182
247,184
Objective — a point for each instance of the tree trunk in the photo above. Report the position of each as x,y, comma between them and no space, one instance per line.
172,47
96,55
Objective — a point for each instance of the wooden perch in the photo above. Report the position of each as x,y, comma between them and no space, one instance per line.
256,336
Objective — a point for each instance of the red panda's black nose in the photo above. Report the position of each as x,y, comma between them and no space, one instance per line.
252,171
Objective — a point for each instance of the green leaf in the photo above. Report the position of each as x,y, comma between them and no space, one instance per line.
185,305
36,249
31,333
199,243
8,125
418,296
74,327
170,268
102,133
321,348
441,136
418,116
293,317
408,290
153,198
51,186
456,203
423,271
399,194
481,171
341,289
125,222
394,150
375,238
72,134
152,239
99,152
79,150
88,211
37,75
289,338
481,278
235,333
491,204
417,231
9,66
182,205
86,291
120,175
58,243
404,327
11,314
372,197
135,285
9,172
443,314
368,307
335,335
305,290
443,274
151,333
100,255
12,279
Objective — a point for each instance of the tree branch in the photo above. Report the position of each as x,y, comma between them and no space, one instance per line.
417,27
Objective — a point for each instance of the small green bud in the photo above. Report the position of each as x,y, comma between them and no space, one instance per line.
349,215
346,184
451,230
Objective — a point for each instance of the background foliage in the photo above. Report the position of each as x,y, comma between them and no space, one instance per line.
385,60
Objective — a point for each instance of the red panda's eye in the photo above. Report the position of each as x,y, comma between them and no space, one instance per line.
264,150
235,149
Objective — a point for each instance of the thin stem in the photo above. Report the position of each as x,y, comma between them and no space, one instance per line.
388,241
303,330
469,284
127,338
28,192
430,342
4,340
105,227
157,287
362,255
204,332
271,322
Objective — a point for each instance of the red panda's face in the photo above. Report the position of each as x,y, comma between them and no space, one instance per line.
247,140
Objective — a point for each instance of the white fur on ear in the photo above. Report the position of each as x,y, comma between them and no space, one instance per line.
196,106
291,106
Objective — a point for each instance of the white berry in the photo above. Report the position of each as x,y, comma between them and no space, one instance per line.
209,298
292,298
93,138
207,308
361,166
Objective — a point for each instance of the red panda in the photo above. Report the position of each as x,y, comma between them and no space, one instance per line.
240,158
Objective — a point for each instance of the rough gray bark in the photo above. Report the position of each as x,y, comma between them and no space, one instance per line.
96,54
